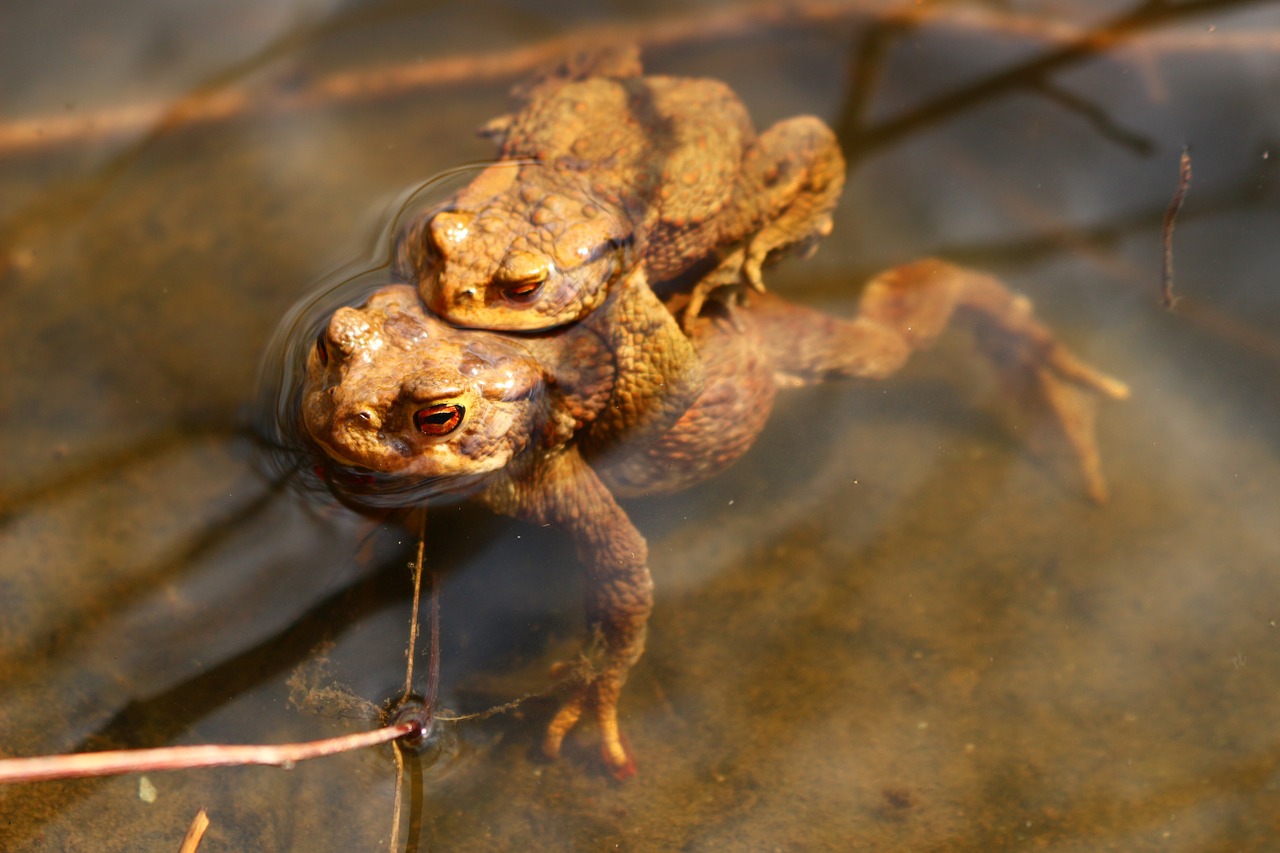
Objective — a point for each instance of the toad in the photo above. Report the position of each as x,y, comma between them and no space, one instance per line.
601,166
405,406
605,174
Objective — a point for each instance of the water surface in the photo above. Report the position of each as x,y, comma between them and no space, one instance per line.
892,626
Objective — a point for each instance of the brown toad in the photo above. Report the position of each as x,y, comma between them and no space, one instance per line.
608,176
602,167
406,406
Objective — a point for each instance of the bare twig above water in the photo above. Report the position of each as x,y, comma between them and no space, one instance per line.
116,762
212,688
223,100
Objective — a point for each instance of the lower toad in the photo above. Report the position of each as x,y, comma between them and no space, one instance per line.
405,407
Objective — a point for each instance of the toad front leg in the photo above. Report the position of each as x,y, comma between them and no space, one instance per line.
791,179
657,368
563,490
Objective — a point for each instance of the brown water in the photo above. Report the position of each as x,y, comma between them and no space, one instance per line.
891,627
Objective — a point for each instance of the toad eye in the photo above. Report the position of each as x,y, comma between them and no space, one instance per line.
440,419
322,350
525,291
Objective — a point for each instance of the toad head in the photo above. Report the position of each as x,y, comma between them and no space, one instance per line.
400,402
518,256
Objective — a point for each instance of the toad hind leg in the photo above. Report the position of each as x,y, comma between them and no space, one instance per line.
906,308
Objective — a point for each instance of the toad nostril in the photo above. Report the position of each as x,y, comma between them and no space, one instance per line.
364,419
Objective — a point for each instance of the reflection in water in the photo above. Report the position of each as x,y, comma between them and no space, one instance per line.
889,625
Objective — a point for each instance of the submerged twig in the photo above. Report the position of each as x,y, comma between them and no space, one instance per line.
116,762
1107,127
1167,299
199,824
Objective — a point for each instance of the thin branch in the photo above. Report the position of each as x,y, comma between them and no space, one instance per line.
1096,243
198,825
115,762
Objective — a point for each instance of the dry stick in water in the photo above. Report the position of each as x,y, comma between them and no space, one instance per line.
1167,299
198,825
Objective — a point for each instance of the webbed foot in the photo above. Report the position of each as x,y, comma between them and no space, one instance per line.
918,299
1048,379
598,691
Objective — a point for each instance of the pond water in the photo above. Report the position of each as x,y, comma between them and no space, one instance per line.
894,625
